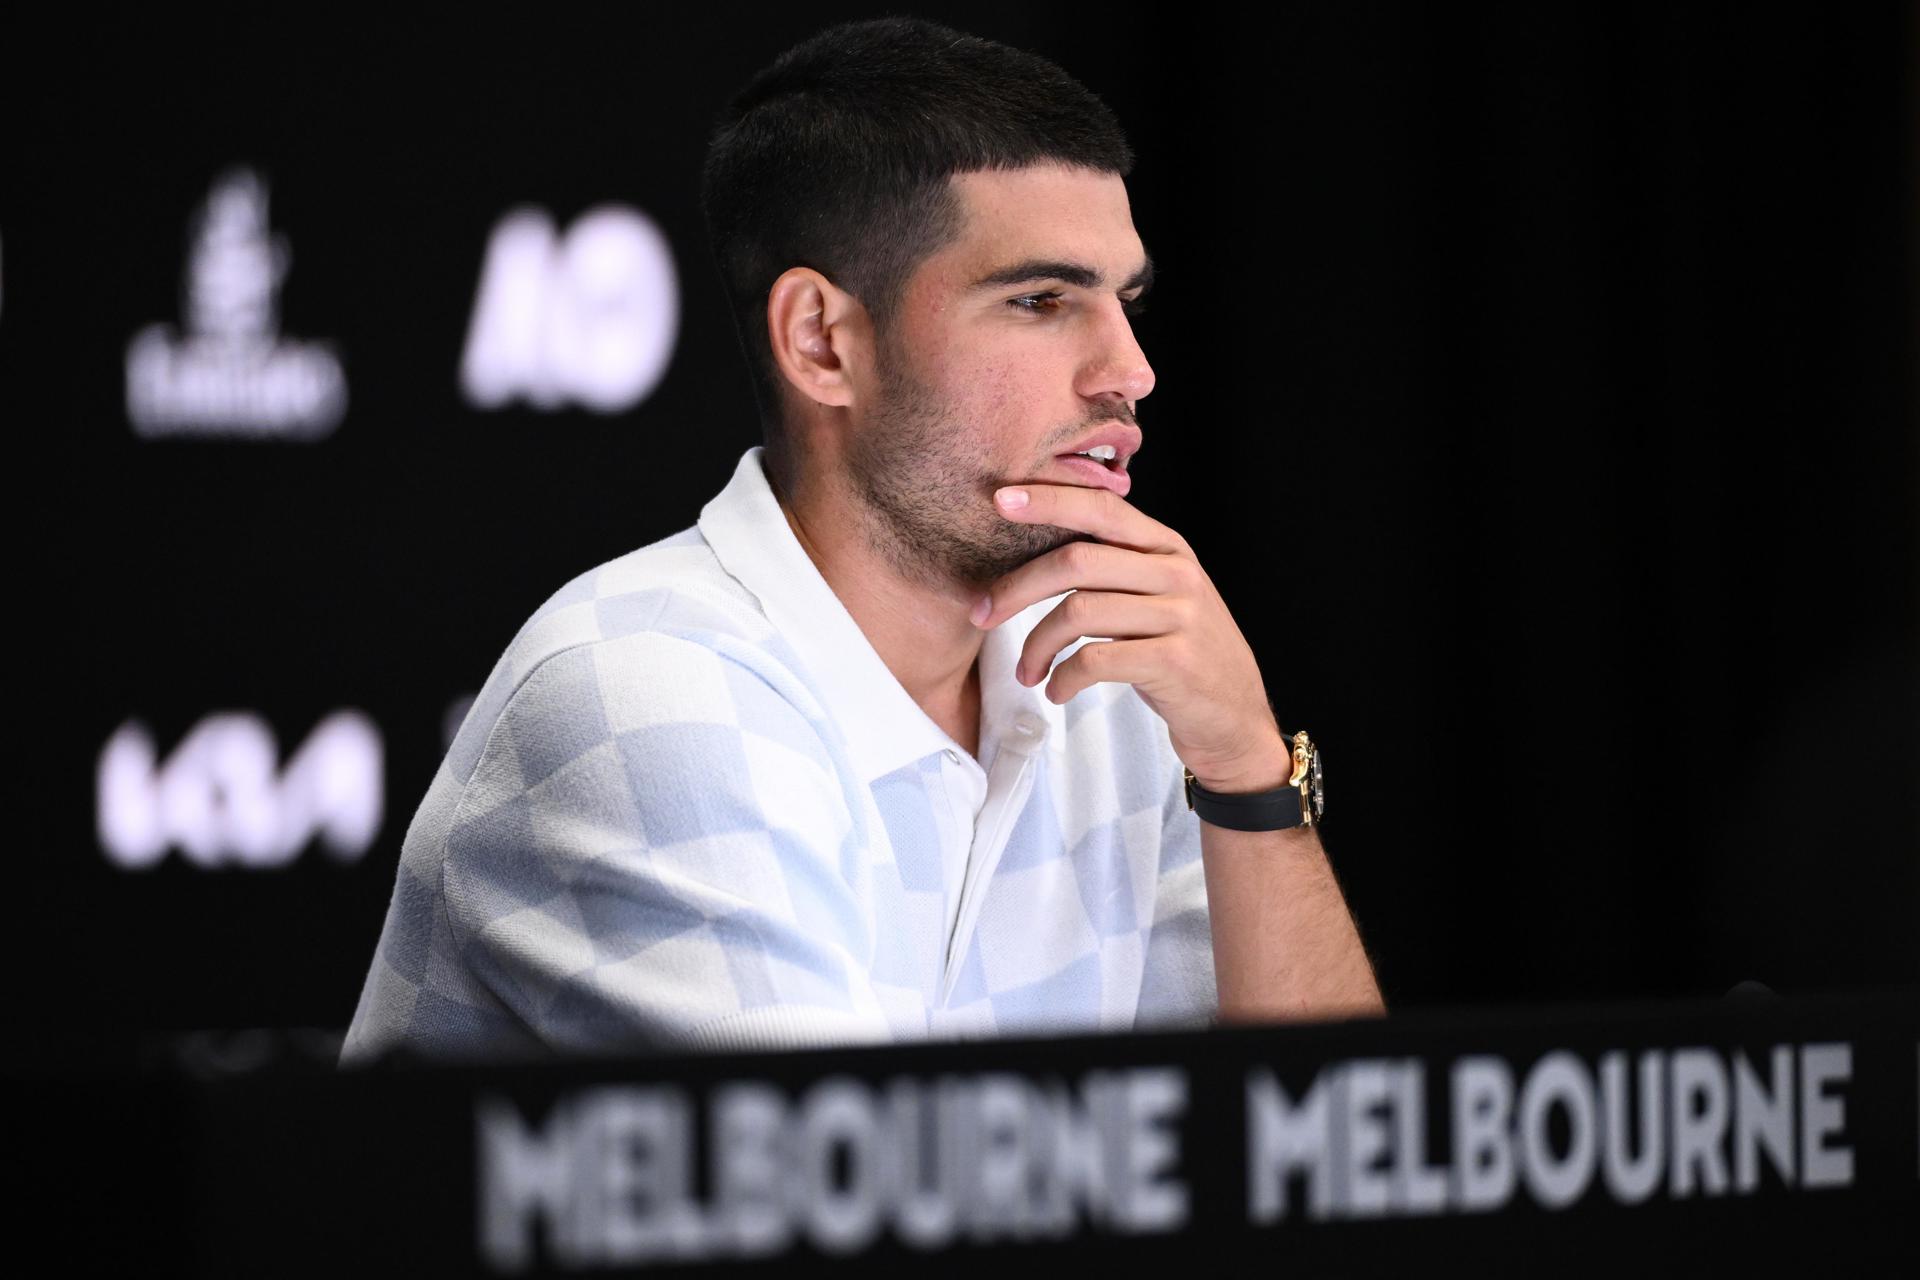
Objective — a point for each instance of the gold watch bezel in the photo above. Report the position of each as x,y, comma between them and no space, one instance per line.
1306,762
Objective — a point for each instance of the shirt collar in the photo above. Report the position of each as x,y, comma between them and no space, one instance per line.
884,727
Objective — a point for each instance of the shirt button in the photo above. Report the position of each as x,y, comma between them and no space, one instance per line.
953,757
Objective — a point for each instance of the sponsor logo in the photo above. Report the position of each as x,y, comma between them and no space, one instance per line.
587,317
618,1174
610,1178
1656,1124
227,372
222,798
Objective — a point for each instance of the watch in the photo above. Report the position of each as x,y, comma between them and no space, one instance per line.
1302,802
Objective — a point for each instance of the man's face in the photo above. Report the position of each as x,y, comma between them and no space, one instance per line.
1011,347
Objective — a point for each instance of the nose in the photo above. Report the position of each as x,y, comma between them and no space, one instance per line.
1115,364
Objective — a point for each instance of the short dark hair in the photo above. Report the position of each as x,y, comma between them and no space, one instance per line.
837,157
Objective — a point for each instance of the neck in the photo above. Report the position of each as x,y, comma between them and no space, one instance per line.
921,630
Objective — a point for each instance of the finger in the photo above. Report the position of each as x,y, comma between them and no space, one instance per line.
1082,566
1125,661
1100,512
1093,613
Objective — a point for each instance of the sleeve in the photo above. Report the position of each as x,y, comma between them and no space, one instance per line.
1177,989
658,848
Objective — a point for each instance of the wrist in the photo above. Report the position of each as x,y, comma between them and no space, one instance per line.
1263,796
1270,771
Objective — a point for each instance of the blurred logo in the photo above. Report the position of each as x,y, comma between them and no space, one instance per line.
228,372
222,798
587,317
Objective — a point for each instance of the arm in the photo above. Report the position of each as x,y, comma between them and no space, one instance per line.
656,849
1284,943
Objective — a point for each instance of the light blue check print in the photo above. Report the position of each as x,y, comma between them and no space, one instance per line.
665,824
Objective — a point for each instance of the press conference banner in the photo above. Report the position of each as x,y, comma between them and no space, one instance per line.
1718,1135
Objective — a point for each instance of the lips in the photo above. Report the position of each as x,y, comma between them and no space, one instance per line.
1090,474
1124,438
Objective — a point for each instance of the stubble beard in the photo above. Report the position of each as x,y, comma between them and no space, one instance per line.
927,496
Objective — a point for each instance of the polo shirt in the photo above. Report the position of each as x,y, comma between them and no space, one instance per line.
691,808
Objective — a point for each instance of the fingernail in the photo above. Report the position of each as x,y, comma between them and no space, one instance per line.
1012,499
981,608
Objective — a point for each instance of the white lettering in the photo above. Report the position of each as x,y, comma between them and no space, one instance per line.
525,1177
1699,1122
1822,1117
1072,1157
838,1119
1417,1186
644,1175
1355,1142
1630,1178
230,373
926,1164
222,798
1762,1116
1483,1170
1286,1138
1559,1078
1001,1202
1149,1197
589,317
750,1164
1366,1188
609,1179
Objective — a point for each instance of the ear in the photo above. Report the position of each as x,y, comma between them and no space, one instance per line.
820,335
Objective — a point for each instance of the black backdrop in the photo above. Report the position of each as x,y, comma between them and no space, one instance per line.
1538,387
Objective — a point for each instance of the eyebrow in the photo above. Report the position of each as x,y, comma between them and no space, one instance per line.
1074,273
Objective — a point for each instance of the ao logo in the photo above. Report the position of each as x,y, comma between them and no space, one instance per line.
223,799
589,316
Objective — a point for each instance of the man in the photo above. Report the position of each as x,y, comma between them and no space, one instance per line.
891,744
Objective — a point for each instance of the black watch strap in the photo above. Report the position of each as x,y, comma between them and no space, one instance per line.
1274,810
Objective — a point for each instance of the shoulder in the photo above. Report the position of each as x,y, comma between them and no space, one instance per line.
675,584
659,636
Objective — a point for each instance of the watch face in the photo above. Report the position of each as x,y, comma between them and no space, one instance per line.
1317,787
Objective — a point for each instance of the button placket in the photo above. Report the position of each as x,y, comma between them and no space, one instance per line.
1008,785
961,799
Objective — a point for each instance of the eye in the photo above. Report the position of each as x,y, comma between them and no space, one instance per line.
1038,302
1133,306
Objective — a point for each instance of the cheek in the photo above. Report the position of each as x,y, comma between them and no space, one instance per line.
988,387
998,413
987,393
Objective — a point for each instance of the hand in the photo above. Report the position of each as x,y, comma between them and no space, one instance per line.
1172,637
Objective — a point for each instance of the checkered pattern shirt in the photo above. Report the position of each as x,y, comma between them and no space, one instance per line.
691,808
